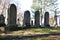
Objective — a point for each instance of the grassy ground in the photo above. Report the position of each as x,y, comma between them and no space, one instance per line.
45,30
35,31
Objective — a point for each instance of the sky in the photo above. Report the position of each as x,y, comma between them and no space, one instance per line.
58,4
22,4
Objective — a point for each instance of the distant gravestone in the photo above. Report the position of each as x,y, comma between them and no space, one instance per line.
46,19
18,22
32,23
37,19
55,17
27,18
2,20
12,15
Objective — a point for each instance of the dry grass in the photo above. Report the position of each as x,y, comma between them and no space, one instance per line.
32,31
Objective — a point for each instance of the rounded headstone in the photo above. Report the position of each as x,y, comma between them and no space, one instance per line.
12,16
27,18
37,19
46,19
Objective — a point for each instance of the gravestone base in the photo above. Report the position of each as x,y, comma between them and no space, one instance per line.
47,26
37,26
12,27
28,26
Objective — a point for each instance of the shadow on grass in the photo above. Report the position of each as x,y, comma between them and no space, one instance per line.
28,37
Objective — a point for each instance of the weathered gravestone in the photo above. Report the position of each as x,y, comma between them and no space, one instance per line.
27,18
2,20
12,15
46,19
37,19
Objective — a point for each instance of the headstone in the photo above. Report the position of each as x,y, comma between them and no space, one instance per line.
55,17
37,19
27,18
2,20
46,19
12,15
32,23
18,22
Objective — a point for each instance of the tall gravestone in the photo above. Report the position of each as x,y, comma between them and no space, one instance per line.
12,15
46,19
27,18
37,19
